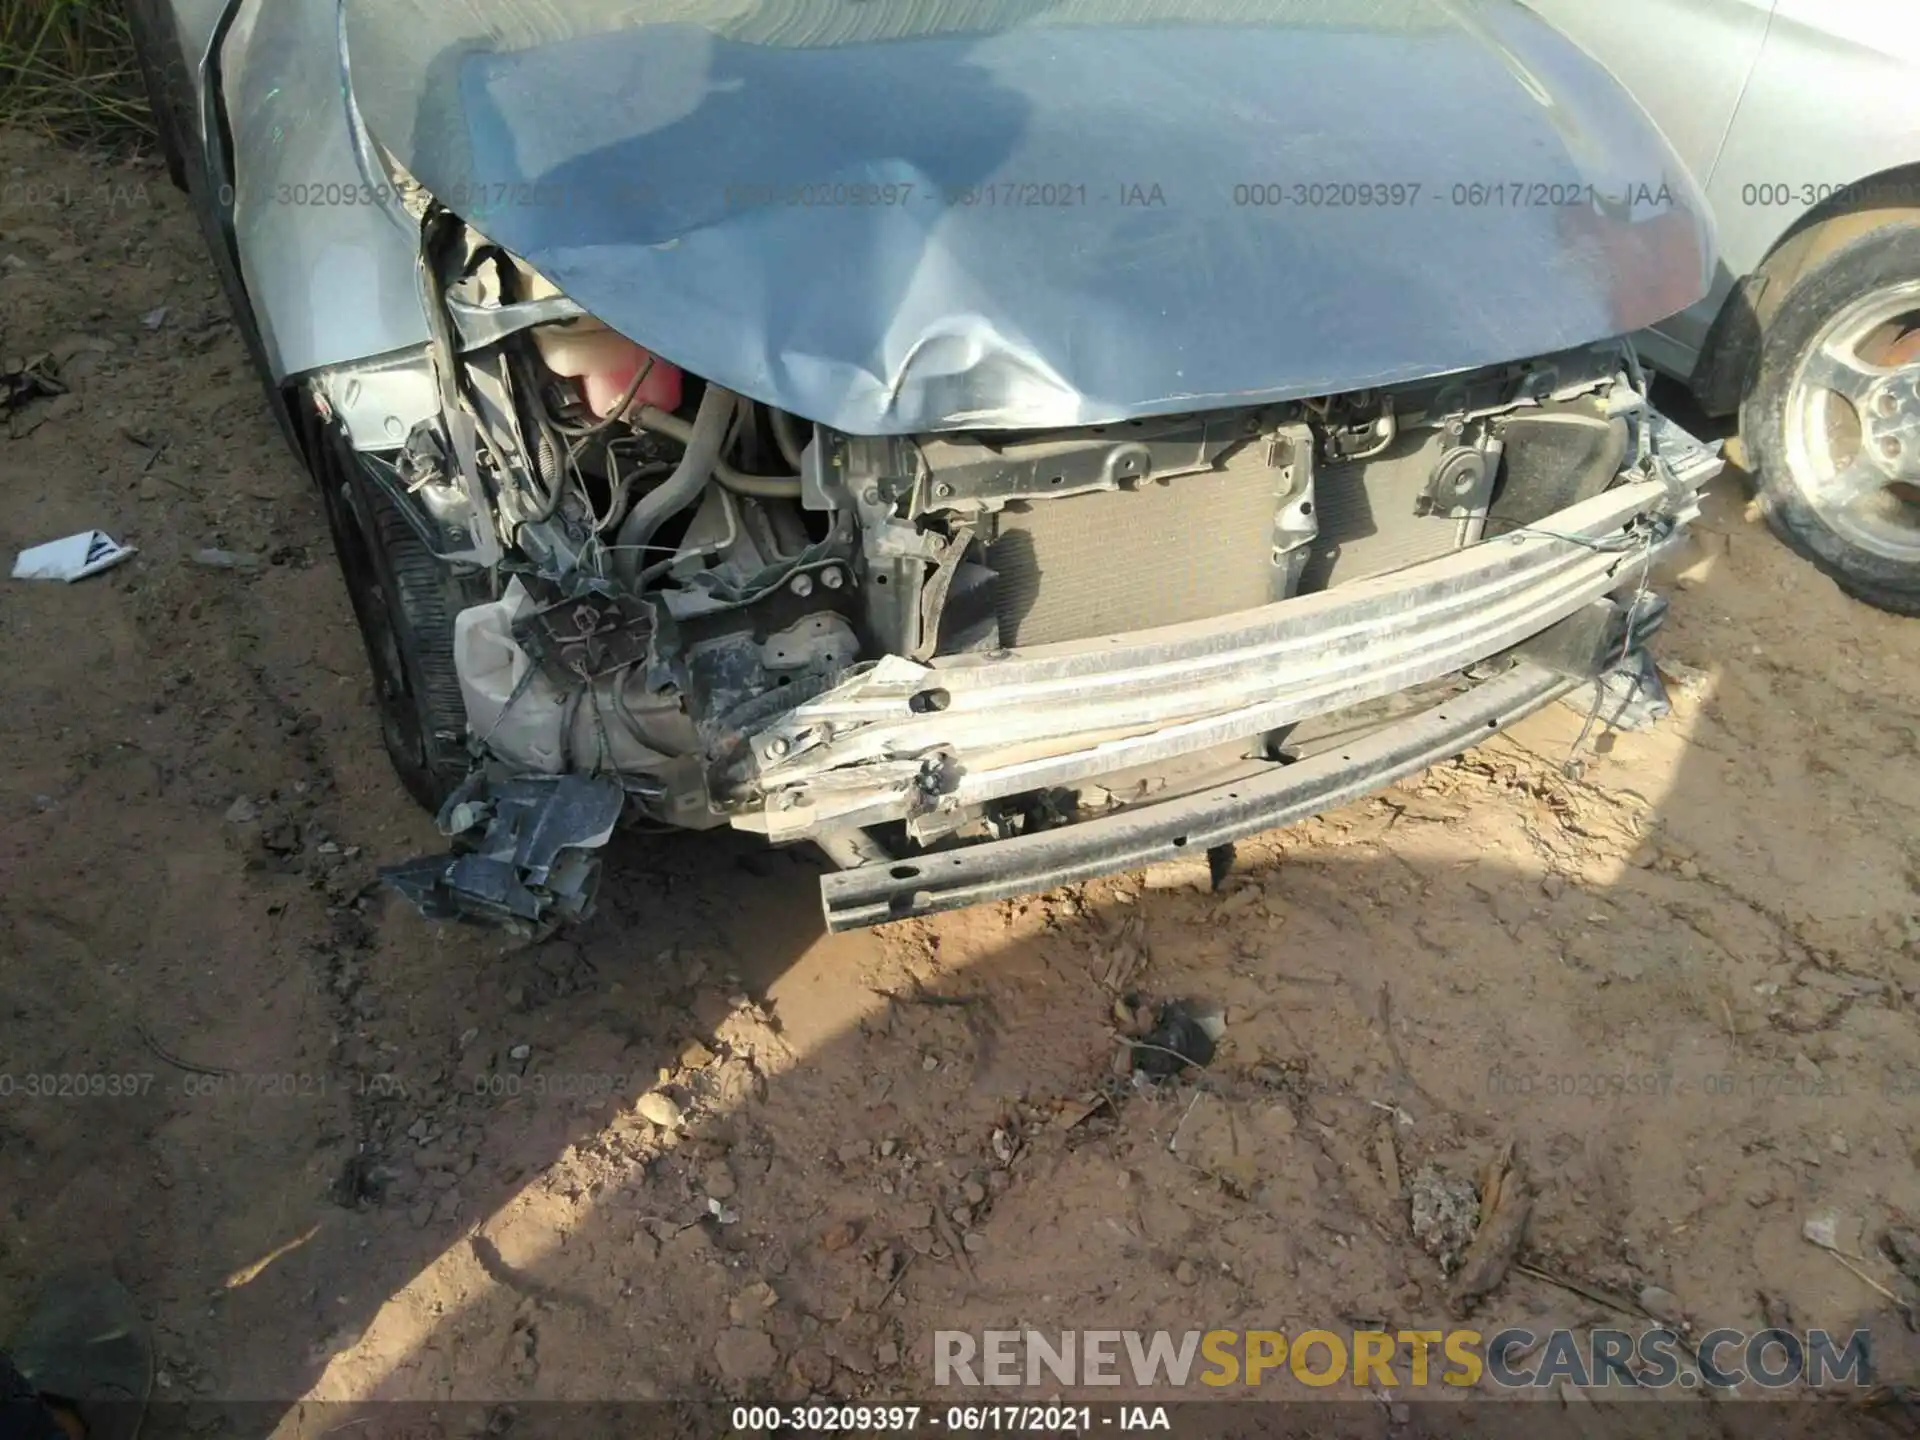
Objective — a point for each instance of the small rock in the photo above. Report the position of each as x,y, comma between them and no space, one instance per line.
1444,1213
212,558
1837,1143
887,1354
421,1215
520,1052
1662,1304
974,1242
931,1063
961,1215
1185,1272
812,1367
155,317
751,1303
1644,858
975,1192
1689,870
661,1110
743,1354
840,1236
918,1216
1904,1246
718,1180
242,812
1832,1230
887,1147
852,1153
448,1205
695,1056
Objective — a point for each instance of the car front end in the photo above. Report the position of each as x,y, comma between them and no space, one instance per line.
995,445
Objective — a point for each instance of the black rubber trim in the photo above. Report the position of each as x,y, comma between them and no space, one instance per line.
1192,825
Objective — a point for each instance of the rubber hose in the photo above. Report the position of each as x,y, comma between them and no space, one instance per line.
703,441
787,436
762,487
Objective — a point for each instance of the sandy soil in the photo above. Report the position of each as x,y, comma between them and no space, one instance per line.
420,1165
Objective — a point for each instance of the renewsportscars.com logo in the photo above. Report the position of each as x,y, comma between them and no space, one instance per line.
1514,1359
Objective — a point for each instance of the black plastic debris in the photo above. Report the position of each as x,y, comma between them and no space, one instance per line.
523,852
1182,1036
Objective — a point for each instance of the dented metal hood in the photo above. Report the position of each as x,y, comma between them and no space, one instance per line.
903,215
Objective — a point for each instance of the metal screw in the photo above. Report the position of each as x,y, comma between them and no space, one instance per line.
801,585
871,495
943,490
832,578
776,747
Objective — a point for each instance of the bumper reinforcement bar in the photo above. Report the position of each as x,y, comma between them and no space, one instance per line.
1193,824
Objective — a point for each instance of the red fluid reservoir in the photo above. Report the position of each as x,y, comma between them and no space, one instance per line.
605,362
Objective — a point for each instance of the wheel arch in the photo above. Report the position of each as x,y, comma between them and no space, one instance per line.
1730,359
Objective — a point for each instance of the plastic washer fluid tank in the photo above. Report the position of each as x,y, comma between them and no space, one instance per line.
605,362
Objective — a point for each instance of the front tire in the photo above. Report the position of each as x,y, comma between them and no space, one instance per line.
404,599
1832,423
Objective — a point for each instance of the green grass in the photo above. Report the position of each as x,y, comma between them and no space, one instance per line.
67,70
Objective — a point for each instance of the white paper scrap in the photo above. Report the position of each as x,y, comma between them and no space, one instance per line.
73,558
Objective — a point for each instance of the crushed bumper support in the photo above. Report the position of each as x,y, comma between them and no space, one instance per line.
1149,834
904,739
524,852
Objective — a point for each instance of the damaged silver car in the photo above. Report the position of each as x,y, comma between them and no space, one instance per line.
997,441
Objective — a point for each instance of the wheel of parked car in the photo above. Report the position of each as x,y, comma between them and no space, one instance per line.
404,600
1833,422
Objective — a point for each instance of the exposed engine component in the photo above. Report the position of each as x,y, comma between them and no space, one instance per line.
683,574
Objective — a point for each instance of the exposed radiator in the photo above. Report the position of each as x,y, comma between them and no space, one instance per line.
1368,520
1116,560
1200,545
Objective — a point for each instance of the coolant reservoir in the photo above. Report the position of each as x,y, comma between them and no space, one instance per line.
604,362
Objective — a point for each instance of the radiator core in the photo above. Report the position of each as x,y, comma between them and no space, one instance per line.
1178,549
1200,545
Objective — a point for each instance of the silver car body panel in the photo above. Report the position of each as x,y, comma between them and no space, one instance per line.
327,253
1009,214
1804,98
904,738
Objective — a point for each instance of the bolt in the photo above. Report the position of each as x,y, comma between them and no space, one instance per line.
943,490
871,495
1890,447
801,585
776,747
1885,403
832,578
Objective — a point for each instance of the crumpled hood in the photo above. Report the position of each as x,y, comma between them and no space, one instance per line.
893,216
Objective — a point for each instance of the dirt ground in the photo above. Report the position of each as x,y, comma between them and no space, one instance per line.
372,1158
